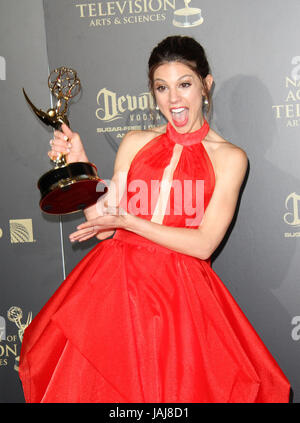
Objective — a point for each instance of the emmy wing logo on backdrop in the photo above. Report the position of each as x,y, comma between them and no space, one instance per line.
9,343
2,68
289,110
15,315
292,217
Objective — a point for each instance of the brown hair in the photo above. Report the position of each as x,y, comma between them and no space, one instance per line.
182,49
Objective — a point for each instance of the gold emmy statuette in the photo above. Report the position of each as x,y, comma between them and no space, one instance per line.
67,188
188,16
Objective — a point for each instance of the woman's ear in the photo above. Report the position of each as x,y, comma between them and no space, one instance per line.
208,81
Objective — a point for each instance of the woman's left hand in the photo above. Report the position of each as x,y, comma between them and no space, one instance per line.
113,217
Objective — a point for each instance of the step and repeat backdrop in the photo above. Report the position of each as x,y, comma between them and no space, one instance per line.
253,49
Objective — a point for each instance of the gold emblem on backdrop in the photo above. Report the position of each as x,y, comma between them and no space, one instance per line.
15,315
292,217
9,344
21,231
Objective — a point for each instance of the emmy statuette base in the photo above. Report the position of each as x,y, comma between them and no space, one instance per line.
70,188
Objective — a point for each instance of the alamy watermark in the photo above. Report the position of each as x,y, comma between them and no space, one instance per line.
155,197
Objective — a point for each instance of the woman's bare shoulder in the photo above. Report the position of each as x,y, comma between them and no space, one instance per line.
146,134
135,140
132,142
224,153
216,143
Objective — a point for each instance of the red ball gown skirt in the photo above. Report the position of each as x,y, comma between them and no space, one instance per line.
138,322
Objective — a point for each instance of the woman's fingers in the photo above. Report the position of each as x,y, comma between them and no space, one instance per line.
87,225
84,238
53,155
84,231
60,148
59,145
64,134
66,131
58,135
58,142
68,143
91,228
83,234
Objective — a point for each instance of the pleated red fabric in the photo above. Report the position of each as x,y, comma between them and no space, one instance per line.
138,322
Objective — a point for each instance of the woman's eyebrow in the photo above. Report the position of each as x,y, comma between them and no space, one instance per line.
182,77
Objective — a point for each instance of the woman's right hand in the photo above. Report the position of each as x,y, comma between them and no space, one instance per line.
68,143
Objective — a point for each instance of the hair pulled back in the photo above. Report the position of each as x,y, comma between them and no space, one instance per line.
182,49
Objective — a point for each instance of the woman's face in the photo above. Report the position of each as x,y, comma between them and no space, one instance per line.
178,92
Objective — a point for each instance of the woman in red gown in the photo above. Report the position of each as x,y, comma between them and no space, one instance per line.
143,317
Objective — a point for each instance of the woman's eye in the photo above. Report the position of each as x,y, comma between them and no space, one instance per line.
185,84
160,88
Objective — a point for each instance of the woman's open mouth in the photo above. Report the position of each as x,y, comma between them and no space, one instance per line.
180,116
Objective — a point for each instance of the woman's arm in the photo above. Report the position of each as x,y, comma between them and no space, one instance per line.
202,242
230,168
128,147
93,212
110,199
68,142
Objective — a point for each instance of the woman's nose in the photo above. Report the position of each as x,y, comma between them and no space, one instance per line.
173,95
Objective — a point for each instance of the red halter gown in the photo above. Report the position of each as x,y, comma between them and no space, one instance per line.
138,322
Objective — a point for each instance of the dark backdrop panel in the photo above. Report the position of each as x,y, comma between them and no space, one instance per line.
31,266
